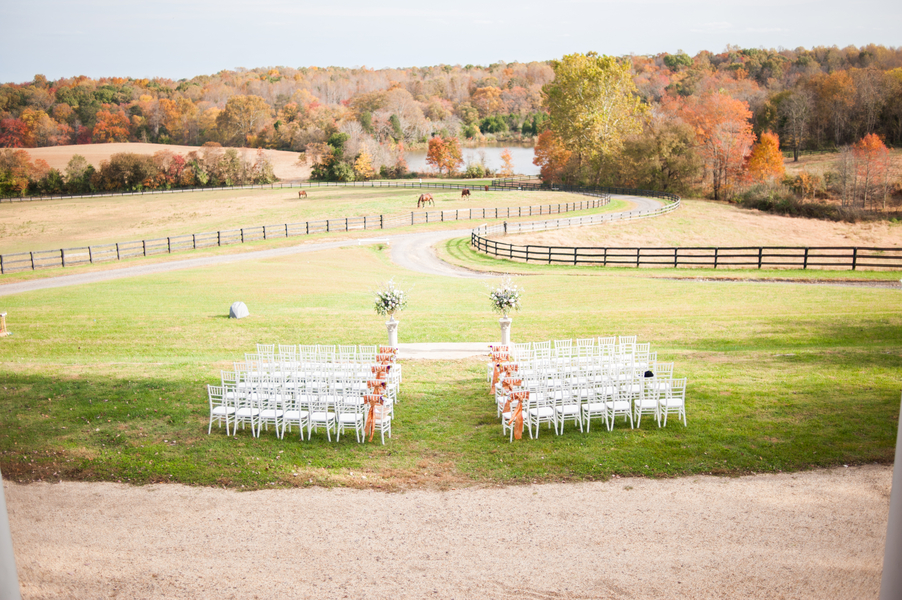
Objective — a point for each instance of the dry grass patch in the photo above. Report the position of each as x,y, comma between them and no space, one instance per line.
705,223
283,162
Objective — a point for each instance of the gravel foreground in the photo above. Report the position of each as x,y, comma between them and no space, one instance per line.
818,534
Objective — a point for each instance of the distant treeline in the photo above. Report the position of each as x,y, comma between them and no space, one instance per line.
210,165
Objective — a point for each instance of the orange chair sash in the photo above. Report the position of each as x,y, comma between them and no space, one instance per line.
372,400
517,417
380,371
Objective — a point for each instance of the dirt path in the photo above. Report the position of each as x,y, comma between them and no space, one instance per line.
811,535
412,251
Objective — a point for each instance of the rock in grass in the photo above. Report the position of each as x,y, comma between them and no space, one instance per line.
238,310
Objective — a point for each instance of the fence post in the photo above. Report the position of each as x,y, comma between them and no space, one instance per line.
327,225
715,257
411,218
760,255
63,256
549,255
854,258
90,256
169,245
286,229
307,223
527,252
346,224
32,260
574,256
605,261
219,238
117,251
1,264
381,224
144,247
242,235
194,240
805,263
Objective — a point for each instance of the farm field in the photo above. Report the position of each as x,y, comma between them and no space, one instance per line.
283,162
706,223
66,223
106,381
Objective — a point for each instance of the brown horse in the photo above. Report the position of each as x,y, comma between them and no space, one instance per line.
465,193
424,198
302,194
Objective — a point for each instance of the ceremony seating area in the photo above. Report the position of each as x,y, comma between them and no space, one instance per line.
312,387
576,381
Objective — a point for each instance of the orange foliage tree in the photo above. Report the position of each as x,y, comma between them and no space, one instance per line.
444,153
765,161
551,156
723,131
507,163
110,127
872,166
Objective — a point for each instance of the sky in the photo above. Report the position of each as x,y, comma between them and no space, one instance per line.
184,38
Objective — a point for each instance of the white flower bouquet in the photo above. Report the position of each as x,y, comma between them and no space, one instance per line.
390,299
505,297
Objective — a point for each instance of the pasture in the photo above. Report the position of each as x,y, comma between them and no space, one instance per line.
66,223
107,381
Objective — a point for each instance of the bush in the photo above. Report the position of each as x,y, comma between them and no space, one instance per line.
779,199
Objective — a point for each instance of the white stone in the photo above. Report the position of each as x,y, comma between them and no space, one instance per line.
238,310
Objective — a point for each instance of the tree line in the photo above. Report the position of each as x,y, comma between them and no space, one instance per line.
210,165
686,127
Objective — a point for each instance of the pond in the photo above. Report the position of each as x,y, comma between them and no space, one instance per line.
522,158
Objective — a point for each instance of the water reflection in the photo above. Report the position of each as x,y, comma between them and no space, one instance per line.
522,158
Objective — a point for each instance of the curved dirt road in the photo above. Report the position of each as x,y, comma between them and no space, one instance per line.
411,251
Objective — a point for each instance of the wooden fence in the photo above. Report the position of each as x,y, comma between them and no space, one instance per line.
65,257
780,257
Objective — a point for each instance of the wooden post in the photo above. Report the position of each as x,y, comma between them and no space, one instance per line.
90,256
117,252
675,260
805,264
760,256
715,257
854,258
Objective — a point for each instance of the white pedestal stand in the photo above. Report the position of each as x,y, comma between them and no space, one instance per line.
392,326
505,323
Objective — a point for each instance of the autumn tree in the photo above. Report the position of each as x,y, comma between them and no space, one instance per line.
662,157
593,105
507,164
111,126
765,161
551,156
723,132
444,153
872,165
242,117
363,166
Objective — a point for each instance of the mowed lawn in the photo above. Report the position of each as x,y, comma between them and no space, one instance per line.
76,222
107,381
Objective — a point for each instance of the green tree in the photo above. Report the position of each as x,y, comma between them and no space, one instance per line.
593,105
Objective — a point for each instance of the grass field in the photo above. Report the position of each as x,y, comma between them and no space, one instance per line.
106,381
53,224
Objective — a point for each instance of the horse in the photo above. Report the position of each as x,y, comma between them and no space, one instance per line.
424,198
302,194
465,193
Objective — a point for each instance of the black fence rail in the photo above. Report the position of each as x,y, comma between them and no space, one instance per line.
65,257
778,257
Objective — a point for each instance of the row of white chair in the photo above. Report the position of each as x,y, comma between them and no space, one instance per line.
330,403
581,400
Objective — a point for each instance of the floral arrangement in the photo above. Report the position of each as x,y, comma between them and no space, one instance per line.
505,297
390,299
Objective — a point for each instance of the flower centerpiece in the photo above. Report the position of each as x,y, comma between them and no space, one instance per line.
505,297
390,299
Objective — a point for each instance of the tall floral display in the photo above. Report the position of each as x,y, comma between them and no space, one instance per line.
389,300
505,298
